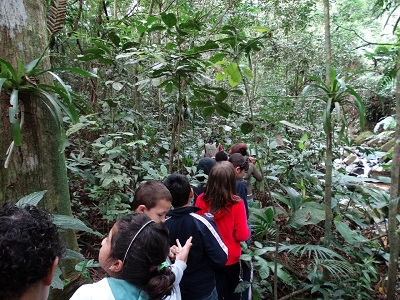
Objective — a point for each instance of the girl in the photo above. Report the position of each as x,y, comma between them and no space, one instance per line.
241,165
220,202
250,172
133,255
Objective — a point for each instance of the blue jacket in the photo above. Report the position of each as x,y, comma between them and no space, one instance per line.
207,253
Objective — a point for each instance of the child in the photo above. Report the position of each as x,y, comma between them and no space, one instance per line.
241,165
29,251
153,199
251,172
133,255
208,251
220,201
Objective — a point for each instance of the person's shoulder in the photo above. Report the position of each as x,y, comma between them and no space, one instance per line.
94,291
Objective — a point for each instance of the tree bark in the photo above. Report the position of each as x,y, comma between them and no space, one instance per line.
37,164
394,207
328,159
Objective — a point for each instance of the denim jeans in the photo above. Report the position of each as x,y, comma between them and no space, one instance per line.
212,296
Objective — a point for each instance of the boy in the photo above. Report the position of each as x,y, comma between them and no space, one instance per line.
208,250
30,248
153,199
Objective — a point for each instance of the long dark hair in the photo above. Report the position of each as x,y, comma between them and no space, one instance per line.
221,187
142,265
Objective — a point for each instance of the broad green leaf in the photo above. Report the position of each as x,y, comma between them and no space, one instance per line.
201,103
7,67
32,199
352,237
208,111
156,27
217,57
16,133
29,67
169,19
246,127
223,109
97,51
20,71
68,222
262,29
220,76
248,73
237,91
234,76
114,38
221,96
307,215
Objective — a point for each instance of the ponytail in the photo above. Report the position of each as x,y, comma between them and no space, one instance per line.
162,283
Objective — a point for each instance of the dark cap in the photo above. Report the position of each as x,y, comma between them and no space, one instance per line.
205,164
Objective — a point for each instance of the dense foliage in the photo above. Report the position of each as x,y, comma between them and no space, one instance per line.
171,75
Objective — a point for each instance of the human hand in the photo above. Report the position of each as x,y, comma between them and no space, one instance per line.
172,253
183,252
252,159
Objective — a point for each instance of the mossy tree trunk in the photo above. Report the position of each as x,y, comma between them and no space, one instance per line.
38,163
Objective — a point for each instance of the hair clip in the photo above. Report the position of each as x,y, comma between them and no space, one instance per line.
163,266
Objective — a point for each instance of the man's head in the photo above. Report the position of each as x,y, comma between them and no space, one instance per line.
179,187
153,199
29,250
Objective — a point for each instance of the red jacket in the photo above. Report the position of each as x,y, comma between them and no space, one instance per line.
232,226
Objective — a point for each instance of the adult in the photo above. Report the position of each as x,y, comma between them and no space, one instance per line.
30,248
251,171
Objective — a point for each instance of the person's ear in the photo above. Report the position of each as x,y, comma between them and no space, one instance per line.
47,280
237,170
191,195
140,209
116,266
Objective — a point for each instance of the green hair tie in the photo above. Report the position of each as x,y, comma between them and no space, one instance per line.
163,266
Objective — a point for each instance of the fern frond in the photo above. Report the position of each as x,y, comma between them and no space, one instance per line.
319,252
336,268
56,16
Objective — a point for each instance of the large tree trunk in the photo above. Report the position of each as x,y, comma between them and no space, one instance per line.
38,163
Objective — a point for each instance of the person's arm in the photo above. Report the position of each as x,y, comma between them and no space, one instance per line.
201,204
241,229
241,191
256,174
216,250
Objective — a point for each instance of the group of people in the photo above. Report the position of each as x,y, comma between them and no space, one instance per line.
189,252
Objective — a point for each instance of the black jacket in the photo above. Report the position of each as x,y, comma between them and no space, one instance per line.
208,250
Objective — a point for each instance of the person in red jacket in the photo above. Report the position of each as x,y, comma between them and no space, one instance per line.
220,202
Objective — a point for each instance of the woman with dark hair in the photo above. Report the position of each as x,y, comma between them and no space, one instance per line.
133,255
220,202
250,172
